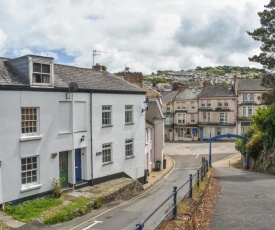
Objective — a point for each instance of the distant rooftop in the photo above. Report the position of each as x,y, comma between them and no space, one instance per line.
217,91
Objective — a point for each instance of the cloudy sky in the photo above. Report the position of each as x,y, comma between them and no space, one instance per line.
145,35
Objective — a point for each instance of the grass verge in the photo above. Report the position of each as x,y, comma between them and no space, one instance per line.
52,210
187,208
29,210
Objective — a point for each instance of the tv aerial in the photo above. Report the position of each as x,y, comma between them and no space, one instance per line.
96,53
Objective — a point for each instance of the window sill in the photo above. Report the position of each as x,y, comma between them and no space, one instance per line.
130,123
62,133
129,157
107,163
30,138
26,188
105,126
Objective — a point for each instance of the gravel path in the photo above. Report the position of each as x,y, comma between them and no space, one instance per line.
247,200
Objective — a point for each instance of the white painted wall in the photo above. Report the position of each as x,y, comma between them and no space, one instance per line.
117,133
52,141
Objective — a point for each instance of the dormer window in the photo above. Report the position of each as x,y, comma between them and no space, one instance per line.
41,73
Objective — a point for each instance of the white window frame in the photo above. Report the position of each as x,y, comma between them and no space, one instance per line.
203,103
225,103
251,97
129,114
41,73
106,153
219,103
178,105
192,118
193,105
223,118
208,103
29,171
168,110
129,148
248,110
29,121
106,115
181,118
206,117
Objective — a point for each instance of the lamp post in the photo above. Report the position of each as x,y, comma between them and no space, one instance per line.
210,152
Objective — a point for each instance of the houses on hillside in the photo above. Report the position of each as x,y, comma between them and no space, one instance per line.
216,110
84,125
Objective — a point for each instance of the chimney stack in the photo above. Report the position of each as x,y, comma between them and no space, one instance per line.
97,67
206,84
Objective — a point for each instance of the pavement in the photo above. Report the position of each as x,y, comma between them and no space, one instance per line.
247,199
154,178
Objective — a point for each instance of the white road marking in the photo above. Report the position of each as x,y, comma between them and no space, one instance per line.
95,222
197,155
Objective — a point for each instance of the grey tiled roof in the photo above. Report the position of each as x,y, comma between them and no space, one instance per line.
187,94
168,96
90,79
217,91
9,76
64,75
249,84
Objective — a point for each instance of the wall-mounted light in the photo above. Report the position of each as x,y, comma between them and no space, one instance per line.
82,138
53,155
147,104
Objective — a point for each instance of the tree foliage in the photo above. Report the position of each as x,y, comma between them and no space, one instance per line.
261,133
157,80
266,35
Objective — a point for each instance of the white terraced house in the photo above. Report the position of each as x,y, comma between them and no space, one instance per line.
84,125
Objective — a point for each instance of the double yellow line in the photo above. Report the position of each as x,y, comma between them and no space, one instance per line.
135,198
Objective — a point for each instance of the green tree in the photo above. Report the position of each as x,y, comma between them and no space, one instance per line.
224,83
266,35
157,80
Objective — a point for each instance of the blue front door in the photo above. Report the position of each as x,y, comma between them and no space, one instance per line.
78,176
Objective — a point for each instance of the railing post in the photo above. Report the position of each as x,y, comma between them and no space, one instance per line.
201,174
139,226
190,186
175,202
206,165
198,177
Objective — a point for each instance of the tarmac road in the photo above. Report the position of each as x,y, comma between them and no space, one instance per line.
247,200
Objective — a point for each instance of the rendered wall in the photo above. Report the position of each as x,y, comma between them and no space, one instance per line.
117,133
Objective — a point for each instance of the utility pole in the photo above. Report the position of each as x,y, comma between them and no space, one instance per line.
96,53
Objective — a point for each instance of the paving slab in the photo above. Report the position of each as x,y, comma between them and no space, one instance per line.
246,201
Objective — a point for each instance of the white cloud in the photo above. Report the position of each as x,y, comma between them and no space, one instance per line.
145,35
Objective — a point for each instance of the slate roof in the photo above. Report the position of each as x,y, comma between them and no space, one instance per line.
90,79
249,85
187,94
168,96
9,76
217,91
63,75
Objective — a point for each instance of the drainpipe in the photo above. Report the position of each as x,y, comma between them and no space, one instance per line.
73,151
92,167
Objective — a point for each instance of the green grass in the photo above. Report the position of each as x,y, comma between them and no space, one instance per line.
77,207
29,210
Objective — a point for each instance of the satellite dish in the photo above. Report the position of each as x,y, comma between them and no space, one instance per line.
73,86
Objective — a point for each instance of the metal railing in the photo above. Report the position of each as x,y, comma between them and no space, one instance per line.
194,179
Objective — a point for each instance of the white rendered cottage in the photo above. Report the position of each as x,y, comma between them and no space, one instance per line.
86,132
